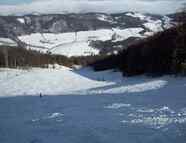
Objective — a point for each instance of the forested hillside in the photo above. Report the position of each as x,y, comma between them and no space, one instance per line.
162,53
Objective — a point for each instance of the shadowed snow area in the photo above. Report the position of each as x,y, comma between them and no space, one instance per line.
62,80
135,109
147,118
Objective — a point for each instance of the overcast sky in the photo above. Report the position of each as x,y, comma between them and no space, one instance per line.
8,7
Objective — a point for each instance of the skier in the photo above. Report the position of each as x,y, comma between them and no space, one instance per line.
40,95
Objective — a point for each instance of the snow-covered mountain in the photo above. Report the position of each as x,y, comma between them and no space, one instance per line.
75,34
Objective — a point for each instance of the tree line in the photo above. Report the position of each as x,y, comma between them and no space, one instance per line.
14,57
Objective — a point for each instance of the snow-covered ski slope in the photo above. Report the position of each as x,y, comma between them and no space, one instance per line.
65,81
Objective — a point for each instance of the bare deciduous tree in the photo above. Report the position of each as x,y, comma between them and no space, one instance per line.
5,52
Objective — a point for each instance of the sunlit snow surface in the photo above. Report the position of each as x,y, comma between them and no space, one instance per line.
63,80
7,42
75,44
21,20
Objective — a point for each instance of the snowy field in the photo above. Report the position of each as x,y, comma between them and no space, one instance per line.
63,80
107,108
72,44
75,44
7,42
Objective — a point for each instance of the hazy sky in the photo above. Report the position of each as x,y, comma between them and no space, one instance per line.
112,6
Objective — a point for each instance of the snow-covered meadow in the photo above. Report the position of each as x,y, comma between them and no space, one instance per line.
75,44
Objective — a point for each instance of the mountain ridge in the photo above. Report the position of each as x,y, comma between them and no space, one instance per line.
50,30
68,22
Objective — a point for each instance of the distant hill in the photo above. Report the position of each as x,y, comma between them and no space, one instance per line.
76,34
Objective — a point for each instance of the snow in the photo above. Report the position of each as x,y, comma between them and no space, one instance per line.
58,117
75,44
62,81
168,22
55,115
148,111
66,43
153,121
155,118
144,110
21,20
127,33
46,81
76,49
137,15
49,39
106,18
7,42
135,88
183,111
154,26
117,105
